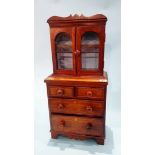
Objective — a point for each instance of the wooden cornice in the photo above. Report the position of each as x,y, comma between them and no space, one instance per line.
76,18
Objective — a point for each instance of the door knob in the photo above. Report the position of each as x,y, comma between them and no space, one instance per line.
77,52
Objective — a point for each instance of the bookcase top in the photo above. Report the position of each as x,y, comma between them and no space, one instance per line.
77,18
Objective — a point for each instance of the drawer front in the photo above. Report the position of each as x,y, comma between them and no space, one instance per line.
87,92
57,91
79,107
79,125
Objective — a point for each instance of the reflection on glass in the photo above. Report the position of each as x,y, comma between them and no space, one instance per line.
64,51
90,61
64,60
90,51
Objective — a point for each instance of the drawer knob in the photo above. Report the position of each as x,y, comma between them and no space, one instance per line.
89,126
89,108
60,106
60,92
62,123
89,93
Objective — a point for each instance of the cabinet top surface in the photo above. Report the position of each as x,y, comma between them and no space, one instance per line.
77,18
102,79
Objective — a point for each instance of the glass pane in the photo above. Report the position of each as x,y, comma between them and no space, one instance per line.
90,38
90,51
64,60
90,61
64,51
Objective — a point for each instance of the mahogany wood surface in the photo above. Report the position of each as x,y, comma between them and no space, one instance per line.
89,92
76,20
75,103
76,91
91,81
75,31
76,124
76,107
59,91
99,139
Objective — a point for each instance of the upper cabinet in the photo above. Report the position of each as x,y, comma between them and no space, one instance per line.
77,44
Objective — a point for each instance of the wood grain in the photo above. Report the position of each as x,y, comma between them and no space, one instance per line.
57,91
77,90
77,17
80,125
71,25
88,92
76,107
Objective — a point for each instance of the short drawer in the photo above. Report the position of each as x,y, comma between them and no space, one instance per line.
79,107
79,125
56,91
87,92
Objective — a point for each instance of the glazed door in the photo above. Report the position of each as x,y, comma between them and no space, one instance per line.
63,48
89,50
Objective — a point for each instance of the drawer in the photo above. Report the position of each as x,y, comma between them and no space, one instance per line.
79,125
57,91
79,107
87,92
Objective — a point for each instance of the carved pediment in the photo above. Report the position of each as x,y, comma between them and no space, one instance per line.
77,17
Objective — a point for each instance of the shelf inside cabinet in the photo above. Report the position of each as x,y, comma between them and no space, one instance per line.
90,46
90,42
64,43
64,60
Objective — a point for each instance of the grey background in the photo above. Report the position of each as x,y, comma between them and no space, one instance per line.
43,67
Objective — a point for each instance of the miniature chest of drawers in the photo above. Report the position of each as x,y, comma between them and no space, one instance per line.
77,88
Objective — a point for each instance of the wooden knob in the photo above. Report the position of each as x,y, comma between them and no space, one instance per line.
89,93
62,123
89,126
89,108
60,106
77,52
60,92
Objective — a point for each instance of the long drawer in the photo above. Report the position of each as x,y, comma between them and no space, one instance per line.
79,125
79,107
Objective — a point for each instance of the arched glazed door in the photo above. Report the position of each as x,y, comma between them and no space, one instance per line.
89,50
63,48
